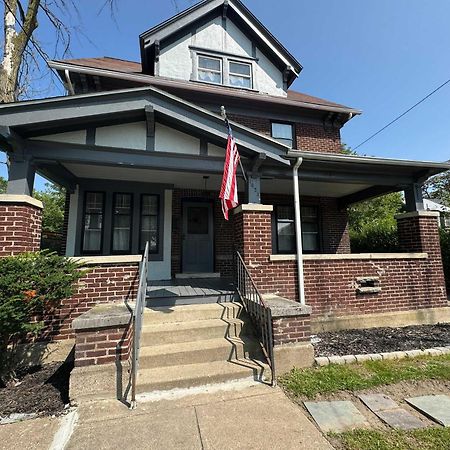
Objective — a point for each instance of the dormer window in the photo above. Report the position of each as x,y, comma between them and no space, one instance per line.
218,67
240,74
210,69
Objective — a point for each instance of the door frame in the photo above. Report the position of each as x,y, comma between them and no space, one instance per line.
213,222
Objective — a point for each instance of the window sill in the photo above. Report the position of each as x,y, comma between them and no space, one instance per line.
239,88
110,259
347,256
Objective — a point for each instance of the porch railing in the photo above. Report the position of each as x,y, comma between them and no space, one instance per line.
260,314
138,315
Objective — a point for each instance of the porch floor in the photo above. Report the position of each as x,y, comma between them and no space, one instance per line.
190,290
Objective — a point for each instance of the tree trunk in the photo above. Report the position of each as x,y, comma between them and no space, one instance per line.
16,38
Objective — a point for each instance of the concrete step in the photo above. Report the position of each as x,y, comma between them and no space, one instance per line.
188,375
222,349
185,313
192,331
191,299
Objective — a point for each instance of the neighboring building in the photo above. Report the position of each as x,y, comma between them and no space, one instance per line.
140,148
444,211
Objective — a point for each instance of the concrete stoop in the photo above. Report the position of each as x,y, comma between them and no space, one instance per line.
192,345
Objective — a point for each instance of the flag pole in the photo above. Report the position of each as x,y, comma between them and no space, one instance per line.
223,113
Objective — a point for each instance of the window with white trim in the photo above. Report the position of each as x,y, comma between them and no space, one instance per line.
240,74
210,69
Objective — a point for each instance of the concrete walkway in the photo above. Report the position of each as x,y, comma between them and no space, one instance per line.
256,417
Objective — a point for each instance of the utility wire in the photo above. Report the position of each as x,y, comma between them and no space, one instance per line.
403,114
38,49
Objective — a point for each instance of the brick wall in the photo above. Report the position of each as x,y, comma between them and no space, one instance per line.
223,231
20,228
103,284
289,330
310,137
330,284
102,346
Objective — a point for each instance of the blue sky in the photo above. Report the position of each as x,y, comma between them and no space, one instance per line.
380,56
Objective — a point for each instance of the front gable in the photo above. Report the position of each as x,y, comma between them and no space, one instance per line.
231,37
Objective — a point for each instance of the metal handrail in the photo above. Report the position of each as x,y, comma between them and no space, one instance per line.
260,314
138,314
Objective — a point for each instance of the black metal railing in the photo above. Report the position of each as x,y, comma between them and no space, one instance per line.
138,316
260,314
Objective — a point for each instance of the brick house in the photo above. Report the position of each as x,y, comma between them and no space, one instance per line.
139,146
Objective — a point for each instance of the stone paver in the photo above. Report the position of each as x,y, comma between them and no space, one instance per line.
437,407
258,417
336,416
401,419
390,412
378,402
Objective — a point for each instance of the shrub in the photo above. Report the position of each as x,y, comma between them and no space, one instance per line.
376,237
31,284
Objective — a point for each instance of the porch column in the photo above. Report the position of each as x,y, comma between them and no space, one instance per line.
414,197
254,188
21,173
20,224
418,232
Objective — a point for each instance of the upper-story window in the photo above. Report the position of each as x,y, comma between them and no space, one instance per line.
227,70
210,69
240,74
283,132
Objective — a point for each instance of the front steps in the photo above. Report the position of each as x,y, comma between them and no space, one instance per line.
192,345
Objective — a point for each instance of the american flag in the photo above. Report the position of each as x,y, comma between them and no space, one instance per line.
228,191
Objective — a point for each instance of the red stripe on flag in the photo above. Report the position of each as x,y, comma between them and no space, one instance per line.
228,190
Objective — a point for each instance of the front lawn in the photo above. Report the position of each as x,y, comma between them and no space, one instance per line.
429,439
353,377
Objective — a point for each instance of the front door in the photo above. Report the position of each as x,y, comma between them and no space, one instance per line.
198,238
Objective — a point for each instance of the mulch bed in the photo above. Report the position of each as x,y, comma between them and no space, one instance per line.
42,390
377,340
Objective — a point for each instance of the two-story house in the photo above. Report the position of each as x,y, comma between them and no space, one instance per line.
140,148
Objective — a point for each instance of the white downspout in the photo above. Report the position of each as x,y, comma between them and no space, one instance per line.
298,231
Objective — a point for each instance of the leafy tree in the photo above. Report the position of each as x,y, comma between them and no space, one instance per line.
53,199
31,285
3,184
438,187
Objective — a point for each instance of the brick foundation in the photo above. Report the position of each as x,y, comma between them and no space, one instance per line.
20,224
288,330
110,283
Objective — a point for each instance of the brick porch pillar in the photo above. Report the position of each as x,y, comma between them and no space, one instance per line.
20,224
418,232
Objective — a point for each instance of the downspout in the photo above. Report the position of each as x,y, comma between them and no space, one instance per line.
298,231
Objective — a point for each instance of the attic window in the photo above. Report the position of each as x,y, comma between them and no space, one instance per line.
240,74
210,69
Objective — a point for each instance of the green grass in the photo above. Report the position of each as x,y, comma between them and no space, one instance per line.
429,439
354,377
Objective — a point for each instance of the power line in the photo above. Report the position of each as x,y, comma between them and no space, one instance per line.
403,114
38,49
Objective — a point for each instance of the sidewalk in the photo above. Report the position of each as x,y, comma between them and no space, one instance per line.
257,417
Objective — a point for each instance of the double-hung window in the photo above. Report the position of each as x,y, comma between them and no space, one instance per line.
149,222
94,207
210,69
283,132
122,218
240,74
285,229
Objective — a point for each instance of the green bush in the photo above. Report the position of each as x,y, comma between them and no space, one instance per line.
31,284
377,237
445,246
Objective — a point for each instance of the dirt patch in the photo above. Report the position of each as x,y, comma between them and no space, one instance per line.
377,340
42,390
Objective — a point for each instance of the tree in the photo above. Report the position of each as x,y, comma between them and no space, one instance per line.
438,187
53,199
3,184
21,49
